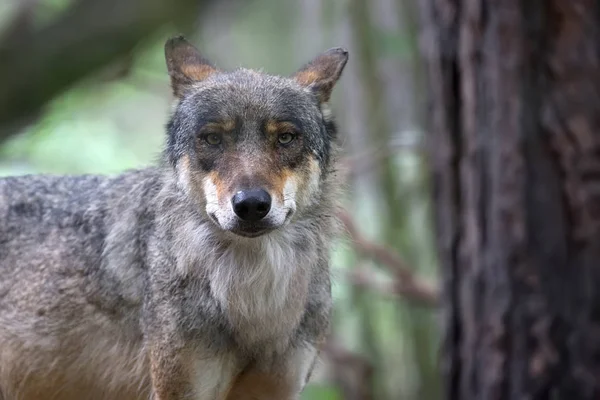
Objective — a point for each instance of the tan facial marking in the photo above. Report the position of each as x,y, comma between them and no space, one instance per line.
184,166
275,127
222,126
183,169
278,182
219,185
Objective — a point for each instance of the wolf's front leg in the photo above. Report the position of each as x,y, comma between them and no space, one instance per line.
280,379
190,375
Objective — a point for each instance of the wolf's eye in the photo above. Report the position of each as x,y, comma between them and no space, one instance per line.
214,139
285,138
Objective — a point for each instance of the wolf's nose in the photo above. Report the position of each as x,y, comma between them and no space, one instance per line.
251,205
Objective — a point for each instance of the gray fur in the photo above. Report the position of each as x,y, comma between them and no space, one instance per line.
103,279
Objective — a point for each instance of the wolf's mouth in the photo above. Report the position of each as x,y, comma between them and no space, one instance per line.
252,230
250,234
249,230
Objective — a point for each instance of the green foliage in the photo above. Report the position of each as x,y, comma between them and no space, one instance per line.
50,9
321,392
97,127
392,44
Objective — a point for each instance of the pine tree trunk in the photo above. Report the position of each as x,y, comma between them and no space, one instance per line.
514,135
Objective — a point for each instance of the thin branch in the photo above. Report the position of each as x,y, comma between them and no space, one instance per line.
407,284
362,162
365,278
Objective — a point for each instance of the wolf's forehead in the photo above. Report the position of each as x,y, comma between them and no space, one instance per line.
250,94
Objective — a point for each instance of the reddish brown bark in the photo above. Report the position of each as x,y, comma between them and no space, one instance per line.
514,89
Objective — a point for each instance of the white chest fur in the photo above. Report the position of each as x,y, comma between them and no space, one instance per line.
262,284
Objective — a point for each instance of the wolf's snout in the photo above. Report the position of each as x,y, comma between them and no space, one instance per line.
251,205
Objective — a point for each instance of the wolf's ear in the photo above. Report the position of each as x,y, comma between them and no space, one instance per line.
321,74
185,65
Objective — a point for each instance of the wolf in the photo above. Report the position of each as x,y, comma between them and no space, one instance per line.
202,277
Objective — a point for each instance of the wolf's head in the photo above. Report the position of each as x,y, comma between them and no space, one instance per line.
252,149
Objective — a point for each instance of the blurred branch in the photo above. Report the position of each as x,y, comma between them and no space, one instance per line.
365,278
38,65
22,22
351,372
364,161
408,285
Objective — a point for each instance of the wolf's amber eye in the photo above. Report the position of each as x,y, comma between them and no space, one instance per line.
285,138
214,139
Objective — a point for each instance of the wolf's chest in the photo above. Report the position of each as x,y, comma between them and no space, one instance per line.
263,290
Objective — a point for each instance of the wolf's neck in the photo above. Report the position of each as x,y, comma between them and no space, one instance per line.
261,283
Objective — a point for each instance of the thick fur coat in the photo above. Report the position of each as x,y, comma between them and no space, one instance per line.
150,284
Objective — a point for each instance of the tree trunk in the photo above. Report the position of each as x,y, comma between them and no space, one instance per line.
514,97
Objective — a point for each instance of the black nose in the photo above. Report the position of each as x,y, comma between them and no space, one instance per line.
251,205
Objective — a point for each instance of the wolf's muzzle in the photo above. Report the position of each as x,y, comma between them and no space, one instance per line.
251,205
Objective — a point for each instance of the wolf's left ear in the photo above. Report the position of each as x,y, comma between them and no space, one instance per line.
321,74
185,65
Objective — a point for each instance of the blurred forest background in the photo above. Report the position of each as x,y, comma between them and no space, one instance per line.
84,89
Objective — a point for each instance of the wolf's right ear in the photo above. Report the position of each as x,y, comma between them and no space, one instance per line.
185,65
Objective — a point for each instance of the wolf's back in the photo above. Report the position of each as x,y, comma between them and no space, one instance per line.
64,214
70,282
